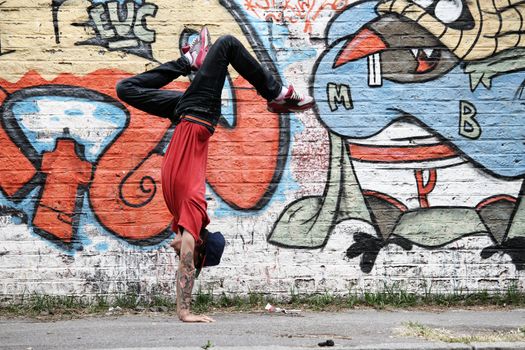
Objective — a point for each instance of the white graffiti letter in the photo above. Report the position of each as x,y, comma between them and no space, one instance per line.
338,94
140,29
122,27
96,14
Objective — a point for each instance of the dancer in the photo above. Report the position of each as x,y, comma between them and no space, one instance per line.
196,112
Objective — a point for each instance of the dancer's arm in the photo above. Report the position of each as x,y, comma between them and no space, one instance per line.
185,281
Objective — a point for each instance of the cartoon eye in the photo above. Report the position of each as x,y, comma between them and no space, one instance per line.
448,11
454,13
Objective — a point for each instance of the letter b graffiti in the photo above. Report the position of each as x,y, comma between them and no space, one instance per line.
468,125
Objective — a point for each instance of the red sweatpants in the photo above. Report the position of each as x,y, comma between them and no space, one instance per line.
183,177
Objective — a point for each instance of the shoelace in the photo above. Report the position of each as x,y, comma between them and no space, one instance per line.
194,43
295,97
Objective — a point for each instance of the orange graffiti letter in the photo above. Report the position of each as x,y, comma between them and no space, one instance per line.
57,209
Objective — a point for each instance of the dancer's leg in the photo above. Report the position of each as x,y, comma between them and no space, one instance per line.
204,93
143,90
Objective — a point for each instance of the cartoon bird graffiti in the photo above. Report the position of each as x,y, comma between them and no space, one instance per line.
452,71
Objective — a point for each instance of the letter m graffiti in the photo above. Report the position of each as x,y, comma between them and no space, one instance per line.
339,94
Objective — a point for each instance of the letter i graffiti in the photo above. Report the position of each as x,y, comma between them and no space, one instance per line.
423,189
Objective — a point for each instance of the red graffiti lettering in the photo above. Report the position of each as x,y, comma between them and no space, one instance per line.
57,208
424,189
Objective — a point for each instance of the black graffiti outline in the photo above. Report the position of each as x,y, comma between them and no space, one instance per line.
284,123
55,7
13,212
142,187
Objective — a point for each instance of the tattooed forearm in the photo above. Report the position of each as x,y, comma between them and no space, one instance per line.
185,280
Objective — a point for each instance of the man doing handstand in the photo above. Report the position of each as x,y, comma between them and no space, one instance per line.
196,112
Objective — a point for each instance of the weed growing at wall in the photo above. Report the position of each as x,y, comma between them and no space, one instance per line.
204,302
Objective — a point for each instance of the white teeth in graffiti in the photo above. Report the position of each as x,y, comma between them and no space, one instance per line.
428,52
416,52
374,70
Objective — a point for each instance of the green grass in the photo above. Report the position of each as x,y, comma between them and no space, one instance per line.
207,346
389,297
415,329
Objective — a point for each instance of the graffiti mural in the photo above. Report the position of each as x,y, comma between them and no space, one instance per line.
71,148
413,154
422,101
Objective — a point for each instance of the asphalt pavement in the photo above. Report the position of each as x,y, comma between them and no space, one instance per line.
352,329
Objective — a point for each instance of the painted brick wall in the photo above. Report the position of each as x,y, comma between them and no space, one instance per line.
409,170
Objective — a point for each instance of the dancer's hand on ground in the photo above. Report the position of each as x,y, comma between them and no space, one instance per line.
196,318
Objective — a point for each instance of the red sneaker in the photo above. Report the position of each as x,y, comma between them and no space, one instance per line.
291,102
196,51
